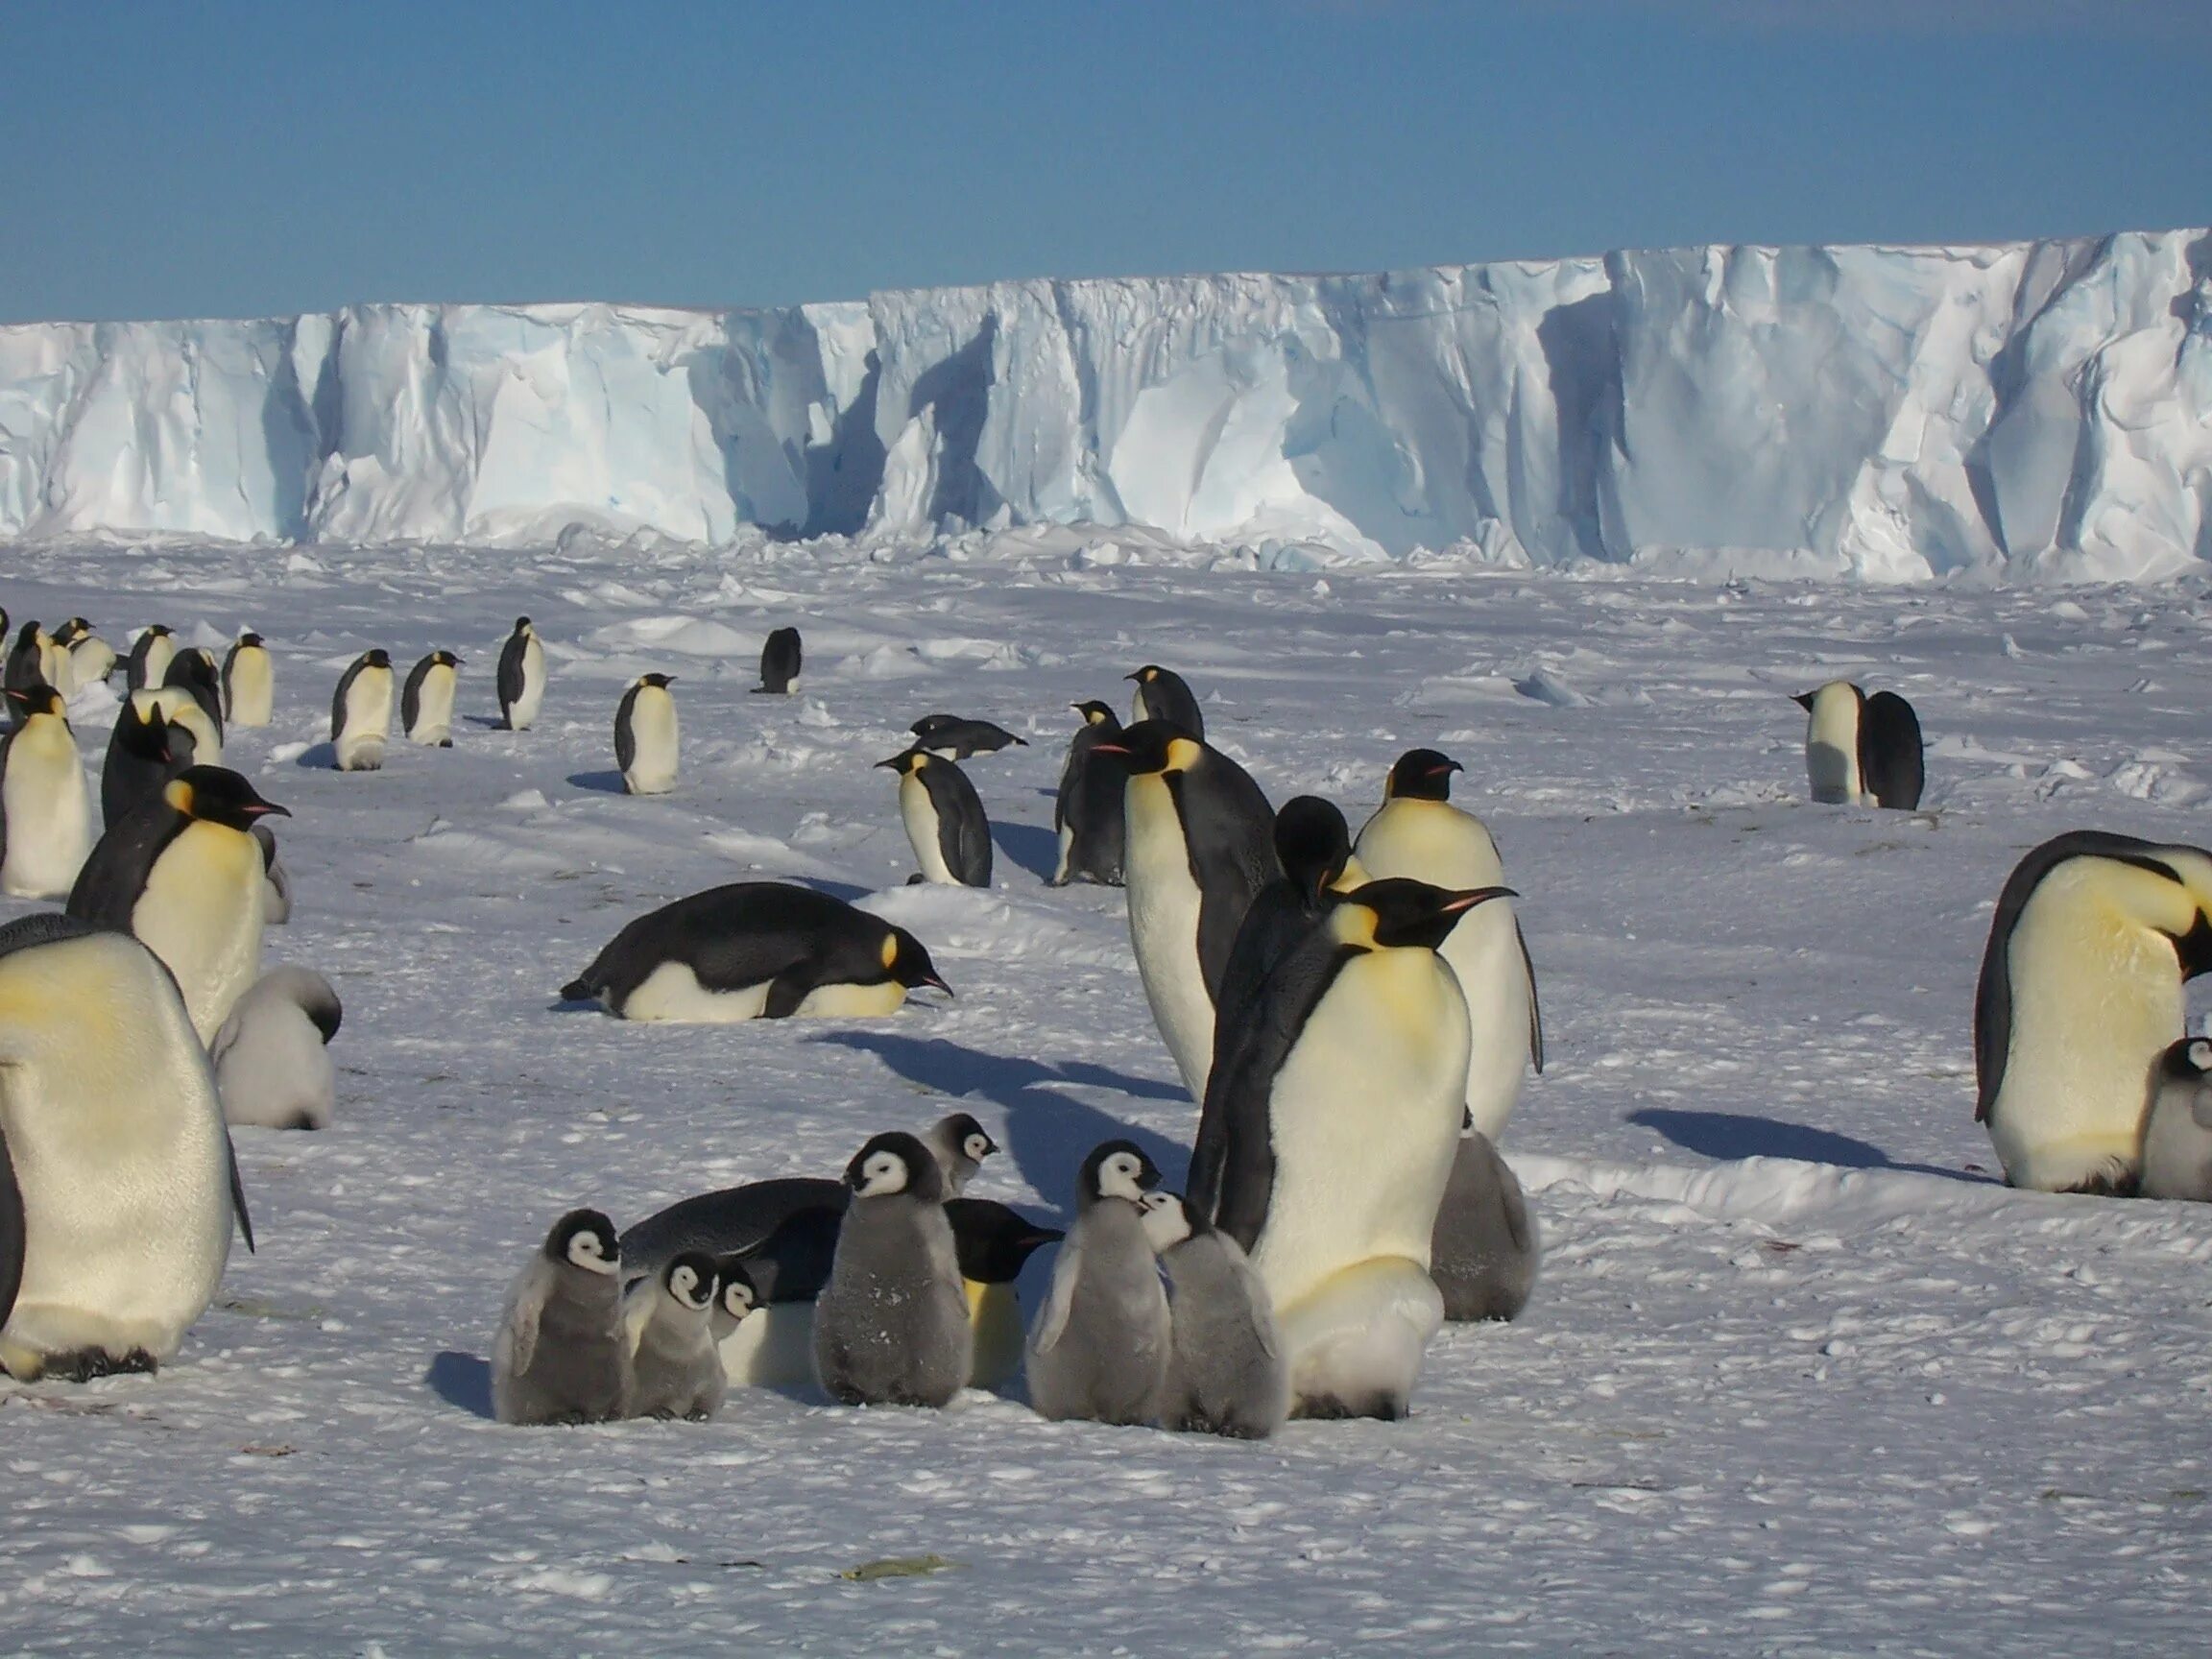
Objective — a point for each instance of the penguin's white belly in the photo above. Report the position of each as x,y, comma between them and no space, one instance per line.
920,816
90,660
1163,904
773,1347
1485,954
49,813
1430,841
155,663
368,721
524,710
1067,846
1832,747
672,992
841,1002
201,912
433,708
252,689
653,729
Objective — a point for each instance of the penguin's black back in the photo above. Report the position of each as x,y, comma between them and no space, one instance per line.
963,832
993,1241
739,935
780,1227
625,738
411,693
1890,766
779,661
1168,698
337,697
115,873
511,669
191,672
1229,830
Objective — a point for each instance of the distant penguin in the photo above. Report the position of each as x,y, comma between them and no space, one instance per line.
521,677
1334,1204
91,659
1087,811
1200,846
249,681
645,735
1483,1251
2177,1134
2081,993
193,672
956,739
960,1144
1225,1371
993,1243
1161,695
1418,834
674,1369
1099,1350
117,1185
361,712
275,880
184,874
29,659
754,949
272,1057
45,808
779,659
944,819
149,659
426,701
1862,751
562,1353
891,1327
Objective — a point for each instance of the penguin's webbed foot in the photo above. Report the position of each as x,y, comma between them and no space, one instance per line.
84,1365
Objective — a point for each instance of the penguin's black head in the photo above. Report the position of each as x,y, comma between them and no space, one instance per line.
738,1294
1154,746
27,637
905,960
218,795
1145,675
994,1241
1116,1170
971,1138
907,761
249,639
2188,1061
379,657
585,1238
447,659
690,1279
930,725
154,631
1312,844
36,698
1170,1219
1421,775
71,631
1399,914
521,624
1098,714
191,669
662,681
895,1163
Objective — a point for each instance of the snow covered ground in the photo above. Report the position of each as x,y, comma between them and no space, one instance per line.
1798,1378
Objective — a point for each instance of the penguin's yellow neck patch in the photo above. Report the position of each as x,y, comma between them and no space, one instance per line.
1183,754
977,1290
1354,924
179,794
890,951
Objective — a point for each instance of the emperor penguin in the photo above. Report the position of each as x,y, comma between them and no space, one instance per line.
1099,1350
275,880
1087,809
149,659
2178,1133
193,672
249,681
563,1353
1483,1251
426,701
993,1243
779,659
1862,751
754,949
272,1056
521,677
1339,1102
645,735
1161,695
956,739
1225,1368
184,874
960,1145
944,819
2080,992
1200,845
157,734
91,659
891,1326
29,660
734,1300
1418,834
1314,845
45,808
118,1190
361,712
674,1369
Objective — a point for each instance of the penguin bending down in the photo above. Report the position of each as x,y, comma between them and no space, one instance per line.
645,735
2081,993
149,659
272,1057
993,1243
891,1327
674,1369
2177,1134
780,662
426,701
521,677
1161,695
275,880
1862,751
1483,1251
361,712
1099,1350
944,819
193,672
62,663
955,738
118,1188
1336,1107
754,949
563,1353
184,874
1418,832
45,809
1087,811
249,681
91,659
1225,1373
157,734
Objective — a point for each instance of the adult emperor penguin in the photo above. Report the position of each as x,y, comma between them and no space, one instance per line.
1418,832
1314,844
149,659
1339,1102
272,1056
1099,1350
960,1145
45,809
249,681
91,659
28,660
193,672
184,874
117,1187
1225,1369
1087,811
157,734
1860,751
426,701
2080,992
891,1326
521,677
779,661
562,1353
361,712
645,735
674,1369
956,739
1200,844
1161,695
1483,1250
2178,1133
944,819
993,1243
754,949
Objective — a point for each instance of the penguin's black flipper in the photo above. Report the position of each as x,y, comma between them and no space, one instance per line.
238,1194
511,673
115,875
1890,765
411,694
1535,1011
793,1263
625,740
784,995
12,1232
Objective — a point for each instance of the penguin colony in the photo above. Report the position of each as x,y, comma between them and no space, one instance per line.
1354,1016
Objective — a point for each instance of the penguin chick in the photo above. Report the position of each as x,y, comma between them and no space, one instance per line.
960,1144
1099,1350
2178,1134
272,1060
1226,1374
674,1369
275,880
734,1296
562,1354
891,1326
1483,1253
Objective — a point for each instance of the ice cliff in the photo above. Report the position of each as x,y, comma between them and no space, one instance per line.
2041,408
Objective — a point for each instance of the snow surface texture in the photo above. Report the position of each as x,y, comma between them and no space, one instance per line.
1882,413
1798,1376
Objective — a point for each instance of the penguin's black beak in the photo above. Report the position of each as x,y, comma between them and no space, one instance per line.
1460,903
931,979
1449,767
264,810
891,764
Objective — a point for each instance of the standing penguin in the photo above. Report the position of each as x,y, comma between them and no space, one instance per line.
779,659
1483,1252
118,1190
29,659
944,819
993,1243
960,1144
1862,751
1099,1350
2177,1134
272,1056
1314,844
426,701
1087,811
149,659
2080,992
1161,695
956,739
1200,845
562,1353
891,1326
674,1369
157,734
1225,1371
1418,832
249,681
645,735
45,809
361,712
184,874
521,677
193,672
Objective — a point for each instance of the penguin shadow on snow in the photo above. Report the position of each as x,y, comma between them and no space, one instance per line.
319,758
1730,1135
462,1380
604,782
1036,848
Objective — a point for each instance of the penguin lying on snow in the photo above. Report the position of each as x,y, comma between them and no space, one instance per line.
1225,1372
562,1353
1099,1350
521,677
674,1369
891,1327
272,1056
993,1243
1087,811
645,745
955,738
426,701
1862,751
779,659
361,712
944,819
1161,695
2177,1134
45,809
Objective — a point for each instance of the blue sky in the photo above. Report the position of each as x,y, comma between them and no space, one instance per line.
234,158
